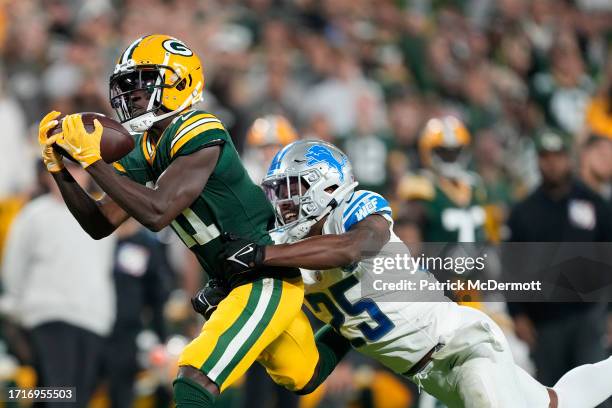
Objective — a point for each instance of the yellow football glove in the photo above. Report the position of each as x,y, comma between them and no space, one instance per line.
52,159
82,146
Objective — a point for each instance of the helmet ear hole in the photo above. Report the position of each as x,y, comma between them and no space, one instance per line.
189,77
181,85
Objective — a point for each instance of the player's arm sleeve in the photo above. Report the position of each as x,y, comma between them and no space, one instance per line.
332,348
365,203
196,133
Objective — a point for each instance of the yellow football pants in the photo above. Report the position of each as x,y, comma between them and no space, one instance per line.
260,321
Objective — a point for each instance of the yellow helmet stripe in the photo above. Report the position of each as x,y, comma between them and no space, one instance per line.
127,54
125,57
448,134
194,133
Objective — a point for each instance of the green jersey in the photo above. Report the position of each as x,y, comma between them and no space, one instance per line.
453,210
230,201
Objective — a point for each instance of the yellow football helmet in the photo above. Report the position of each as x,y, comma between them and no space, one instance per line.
443,146
271,130
156,77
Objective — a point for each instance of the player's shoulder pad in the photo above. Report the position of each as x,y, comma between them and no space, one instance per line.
191,124
416,187
361,204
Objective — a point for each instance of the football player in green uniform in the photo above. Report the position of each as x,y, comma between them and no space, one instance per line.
185,173
445,201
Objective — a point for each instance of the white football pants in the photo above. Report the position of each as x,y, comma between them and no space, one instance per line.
475,369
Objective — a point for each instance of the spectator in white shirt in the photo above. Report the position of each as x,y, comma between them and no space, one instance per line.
58,285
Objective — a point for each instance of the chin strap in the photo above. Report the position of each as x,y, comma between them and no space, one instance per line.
302,228
144,122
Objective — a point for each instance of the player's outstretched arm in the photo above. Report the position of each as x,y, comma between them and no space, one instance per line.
99,218
334,250
156,207
176,189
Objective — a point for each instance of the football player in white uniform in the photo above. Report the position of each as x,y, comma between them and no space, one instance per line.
456,353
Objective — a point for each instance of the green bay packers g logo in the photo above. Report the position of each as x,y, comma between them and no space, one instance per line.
177,47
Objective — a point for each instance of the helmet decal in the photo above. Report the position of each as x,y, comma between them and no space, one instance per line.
277,160
319,153
127,54
174,46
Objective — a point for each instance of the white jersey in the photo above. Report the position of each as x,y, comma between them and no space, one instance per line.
391,327
473,368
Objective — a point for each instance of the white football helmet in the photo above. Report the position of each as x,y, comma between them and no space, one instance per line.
306,180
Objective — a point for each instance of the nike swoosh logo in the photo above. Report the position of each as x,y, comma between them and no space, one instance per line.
240,253
249,249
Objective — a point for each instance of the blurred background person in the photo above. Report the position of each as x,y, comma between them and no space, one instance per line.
599,110
142,278
368,148
445,199
595,165
266,136
562,209
18,154
58,285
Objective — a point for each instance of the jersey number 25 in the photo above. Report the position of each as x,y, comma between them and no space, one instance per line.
383,324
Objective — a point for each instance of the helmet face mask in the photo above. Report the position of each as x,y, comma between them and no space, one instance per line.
448,154
450,162
305,181
291,196
144,85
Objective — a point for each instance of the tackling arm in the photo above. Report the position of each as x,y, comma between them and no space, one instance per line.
174,191
333,250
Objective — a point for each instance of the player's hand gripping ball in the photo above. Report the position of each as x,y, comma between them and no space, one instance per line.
88,137
51,158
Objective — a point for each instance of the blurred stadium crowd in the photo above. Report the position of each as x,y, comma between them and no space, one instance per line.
364,74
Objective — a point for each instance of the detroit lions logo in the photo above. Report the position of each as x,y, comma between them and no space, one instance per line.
318,154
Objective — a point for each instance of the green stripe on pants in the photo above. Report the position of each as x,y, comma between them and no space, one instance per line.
232,331
260,326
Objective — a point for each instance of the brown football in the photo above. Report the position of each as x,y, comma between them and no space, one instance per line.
116,141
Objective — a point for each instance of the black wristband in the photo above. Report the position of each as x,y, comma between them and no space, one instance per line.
260,255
